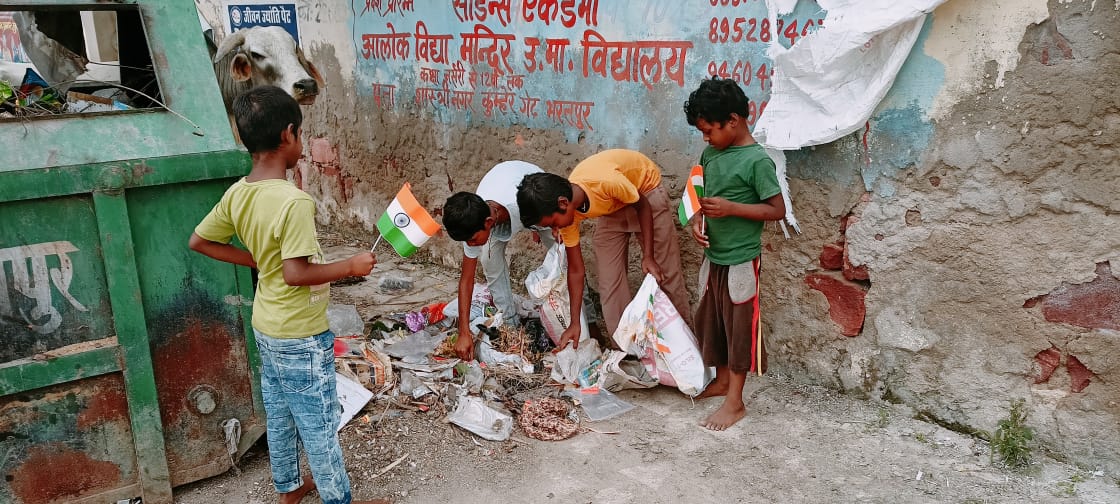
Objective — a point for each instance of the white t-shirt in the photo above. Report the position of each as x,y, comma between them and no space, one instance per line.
500,186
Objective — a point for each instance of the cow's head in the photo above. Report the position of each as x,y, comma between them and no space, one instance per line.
269,56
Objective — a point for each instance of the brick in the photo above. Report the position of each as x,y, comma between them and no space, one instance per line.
1048,360
1092,305
832,257
1078,374
845,301
854,272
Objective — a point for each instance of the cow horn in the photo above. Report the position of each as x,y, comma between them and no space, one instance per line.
232,41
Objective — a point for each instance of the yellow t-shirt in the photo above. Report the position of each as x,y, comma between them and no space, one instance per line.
276,221
612,180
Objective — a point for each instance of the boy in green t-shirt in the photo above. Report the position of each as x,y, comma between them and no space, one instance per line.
741,191
276,222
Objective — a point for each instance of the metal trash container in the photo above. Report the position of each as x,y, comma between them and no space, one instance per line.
122,352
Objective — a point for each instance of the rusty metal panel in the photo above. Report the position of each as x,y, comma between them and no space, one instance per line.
63,442
196,329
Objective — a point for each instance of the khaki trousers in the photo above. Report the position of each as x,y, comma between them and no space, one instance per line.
612,247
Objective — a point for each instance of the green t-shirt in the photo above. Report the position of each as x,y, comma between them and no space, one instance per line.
276,221
742,175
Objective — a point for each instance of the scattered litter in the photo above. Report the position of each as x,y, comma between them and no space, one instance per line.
486,353
411,385
77,103
538,339
619,373
390,466
472,414
598,403
232,429
571,362
415,321
395,284
481,298
353,397
472,376
344,320
415,347
547,419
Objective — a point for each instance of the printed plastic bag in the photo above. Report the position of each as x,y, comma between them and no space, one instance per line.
652,330
548,286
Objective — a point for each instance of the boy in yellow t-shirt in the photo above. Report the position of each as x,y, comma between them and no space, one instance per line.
622,188
276,222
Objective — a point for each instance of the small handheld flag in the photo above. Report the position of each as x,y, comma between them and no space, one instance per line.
405,224
693,191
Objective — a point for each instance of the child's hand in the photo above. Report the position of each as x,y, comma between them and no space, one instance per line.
716,207
464,346
570,335
697,232
362,264
650,266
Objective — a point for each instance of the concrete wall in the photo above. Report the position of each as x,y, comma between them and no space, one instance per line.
961,251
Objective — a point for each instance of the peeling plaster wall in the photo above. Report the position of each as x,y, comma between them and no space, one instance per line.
960,252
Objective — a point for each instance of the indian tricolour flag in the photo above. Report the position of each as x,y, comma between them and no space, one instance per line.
405,224
693,191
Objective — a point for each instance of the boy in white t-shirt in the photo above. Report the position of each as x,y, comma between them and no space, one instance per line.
485,222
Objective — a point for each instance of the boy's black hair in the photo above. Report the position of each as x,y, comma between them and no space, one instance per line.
262,114
464,214
538,195
715,100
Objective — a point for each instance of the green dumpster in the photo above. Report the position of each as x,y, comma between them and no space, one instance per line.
122,353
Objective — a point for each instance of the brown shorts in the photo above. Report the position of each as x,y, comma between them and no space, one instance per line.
727,320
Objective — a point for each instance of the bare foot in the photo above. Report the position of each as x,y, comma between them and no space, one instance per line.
298,494
724,417
718,387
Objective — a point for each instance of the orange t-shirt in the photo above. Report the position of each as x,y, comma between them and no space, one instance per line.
612,180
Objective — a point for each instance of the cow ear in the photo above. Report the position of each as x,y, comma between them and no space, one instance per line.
314,73
309,67
240,68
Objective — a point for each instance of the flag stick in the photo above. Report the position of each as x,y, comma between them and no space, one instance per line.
375,243
702,222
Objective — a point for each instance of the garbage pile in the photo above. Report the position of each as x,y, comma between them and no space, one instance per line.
32,97
518,378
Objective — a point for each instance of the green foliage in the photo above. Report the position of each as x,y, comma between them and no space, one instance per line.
1012,440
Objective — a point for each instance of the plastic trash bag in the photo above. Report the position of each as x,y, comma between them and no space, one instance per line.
548,285
472,414
652,330
344,320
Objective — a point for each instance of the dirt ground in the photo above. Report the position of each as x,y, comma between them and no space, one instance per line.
798,443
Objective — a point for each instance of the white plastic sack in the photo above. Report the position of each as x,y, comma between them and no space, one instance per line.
548,286
829,83
652,330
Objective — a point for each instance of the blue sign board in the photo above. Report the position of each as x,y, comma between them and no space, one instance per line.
250,13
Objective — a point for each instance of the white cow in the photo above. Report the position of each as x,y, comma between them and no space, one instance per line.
264,55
